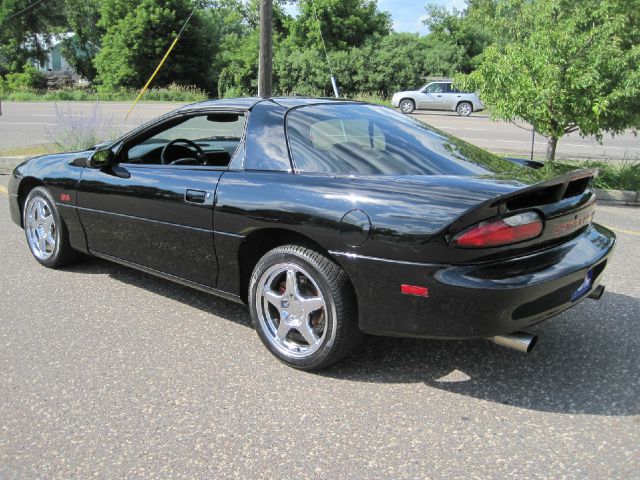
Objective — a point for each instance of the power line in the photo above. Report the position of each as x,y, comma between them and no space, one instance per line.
188,18
24,9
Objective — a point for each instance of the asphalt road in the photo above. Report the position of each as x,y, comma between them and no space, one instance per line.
106,372
25,124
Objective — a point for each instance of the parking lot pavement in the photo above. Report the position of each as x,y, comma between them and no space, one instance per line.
112,373
515,138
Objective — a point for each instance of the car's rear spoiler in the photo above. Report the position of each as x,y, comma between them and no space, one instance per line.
568,185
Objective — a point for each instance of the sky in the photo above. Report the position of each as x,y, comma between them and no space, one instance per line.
407,15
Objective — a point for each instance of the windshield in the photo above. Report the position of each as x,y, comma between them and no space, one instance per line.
355,139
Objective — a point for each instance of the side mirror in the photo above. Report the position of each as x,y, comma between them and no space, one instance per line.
101,158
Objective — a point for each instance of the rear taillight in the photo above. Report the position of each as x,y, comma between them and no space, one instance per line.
501,231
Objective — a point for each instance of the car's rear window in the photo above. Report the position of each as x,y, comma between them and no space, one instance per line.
355,139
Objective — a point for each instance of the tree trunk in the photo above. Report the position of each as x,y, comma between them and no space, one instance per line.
552,142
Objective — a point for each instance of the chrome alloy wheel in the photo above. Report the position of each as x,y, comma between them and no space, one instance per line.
41,228
291,310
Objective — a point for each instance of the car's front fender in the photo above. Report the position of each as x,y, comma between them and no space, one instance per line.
60,174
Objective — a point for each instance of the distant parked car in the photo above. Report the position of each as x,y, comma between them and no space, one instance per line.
438,96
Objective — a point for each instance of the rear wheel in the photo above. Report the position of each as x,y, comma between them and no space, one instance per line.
303,308
464,109
407,106
46,233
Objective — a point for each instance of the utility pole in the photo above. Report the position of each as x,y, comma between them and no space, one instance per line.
265,67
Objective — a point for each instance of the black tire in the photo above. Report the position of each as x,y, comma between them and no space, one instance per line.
407,105
61,254
340,331
464,109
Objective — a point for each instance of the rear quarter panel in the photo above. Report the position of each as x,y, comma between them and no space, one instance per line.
406,219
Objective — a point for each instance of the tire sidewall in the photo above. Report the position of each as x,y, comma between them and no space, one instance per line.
44,194
410,102
275,258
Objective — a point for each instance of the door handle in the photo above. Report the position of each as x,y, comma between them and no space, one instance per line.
195,196
438,95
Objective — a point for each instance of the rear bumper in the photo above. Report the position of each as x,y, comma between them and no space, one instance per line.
476,301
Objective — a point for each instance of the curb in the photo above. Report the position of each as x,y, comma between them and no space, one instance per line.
618,197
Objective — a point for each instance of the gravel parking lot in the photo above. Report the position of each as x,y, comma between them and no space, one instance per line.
112,373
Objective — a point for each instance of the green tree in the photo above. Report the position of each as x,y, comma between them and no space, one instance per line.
566,67
391,63
459,36
228,19
25,32
236,64
83,20
138,35
344,23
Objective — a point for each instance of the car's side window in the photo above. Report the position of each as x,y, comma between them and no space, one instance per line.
338,145
435,88
206,140
329,133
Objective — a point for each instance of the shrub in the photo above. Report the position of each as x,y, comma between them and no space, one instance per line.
612,175
617,176
76,131
29,79
173,93
176,93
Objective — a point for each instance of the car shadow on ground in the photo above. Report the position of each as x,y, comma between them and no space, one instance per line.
586,361
188,296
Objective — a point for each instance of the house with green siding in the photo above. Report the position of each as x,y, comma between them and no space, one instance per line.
55,63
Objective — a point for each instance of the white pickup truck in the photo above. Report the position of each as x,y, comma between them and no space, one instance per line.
440,95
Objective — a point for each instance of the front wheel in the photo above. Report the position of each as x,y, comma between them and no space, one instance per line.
407,106
303,307
464,109
45,230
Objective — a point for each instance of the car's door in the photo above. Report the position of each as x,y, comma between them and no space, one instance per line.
432,97
159,216
451,97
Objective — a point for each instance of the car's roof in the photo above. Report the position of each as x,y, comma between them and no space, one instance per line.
250,102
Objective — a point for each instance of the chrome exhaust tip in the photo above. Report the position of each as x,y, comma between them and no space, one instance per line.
597,292
520,341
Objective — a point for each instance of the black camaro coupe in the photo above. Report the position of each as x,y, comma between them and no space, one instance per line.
329,218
